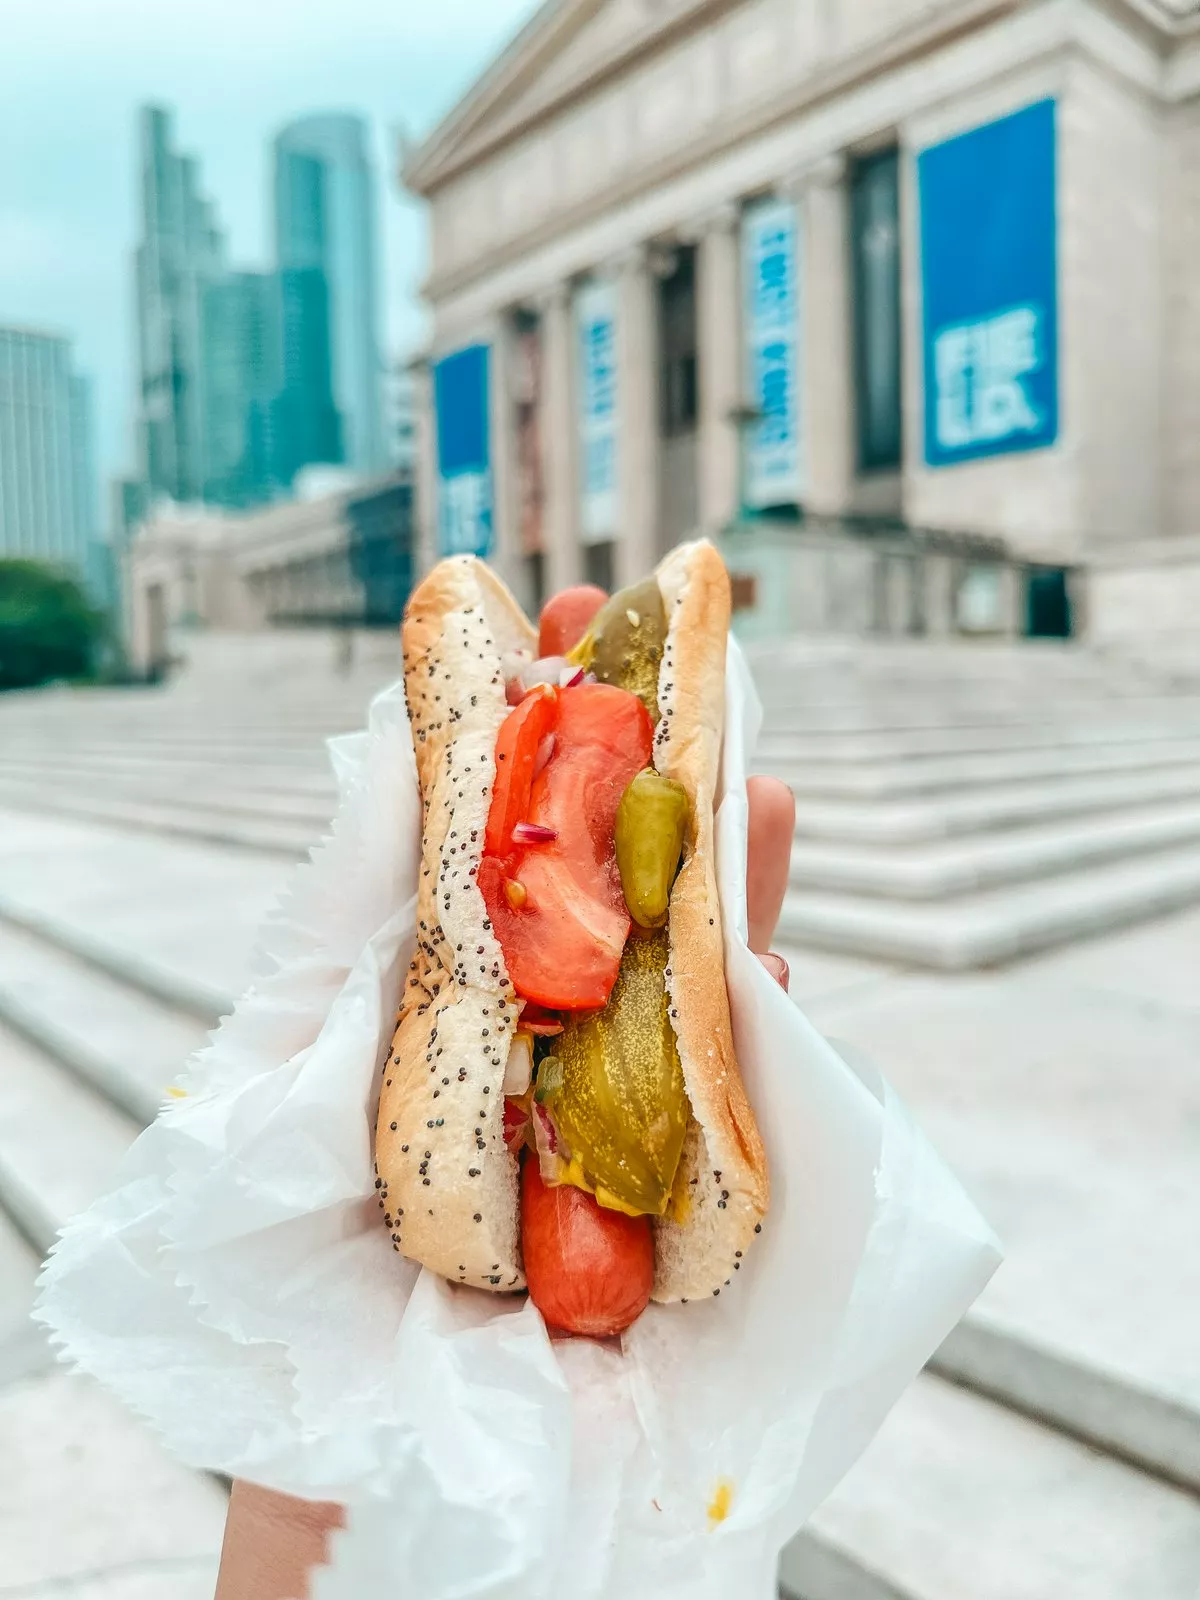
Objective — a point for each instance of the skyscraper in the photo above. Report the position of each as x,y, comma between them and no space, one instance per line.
47,482
325,252
243,375
182,252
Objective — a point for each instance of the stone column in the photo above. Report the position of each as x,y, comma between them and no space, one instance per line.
637,544
506,531
425,519
826,347
721,378
558,427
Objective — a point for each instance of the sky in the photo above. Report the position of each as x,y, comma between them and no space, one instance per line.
72,74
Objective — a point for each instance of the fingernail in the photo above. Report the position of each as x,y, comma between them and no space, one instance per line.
778,968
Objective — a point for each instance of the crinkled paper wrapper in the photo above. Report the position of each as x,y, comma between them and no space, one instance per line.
238,1289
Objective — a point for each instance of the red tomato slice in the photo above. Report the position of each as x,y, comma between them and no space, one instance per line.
521,732
565,619
589,1271
563,931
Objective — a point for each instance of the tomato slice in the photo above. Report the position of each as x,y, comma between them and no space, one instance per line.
589,1271
564,930
521,732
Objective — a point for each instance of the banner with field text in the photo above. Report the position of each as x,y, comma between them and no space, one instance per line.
461,386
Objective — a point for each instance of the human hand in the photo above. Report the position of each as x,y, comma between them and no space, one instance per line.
273,1542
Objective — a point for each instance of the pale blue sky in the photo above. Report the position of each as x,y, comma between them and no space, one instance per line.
72,73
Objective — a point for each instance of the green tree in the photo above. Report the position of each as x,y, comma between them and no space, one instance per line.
47,628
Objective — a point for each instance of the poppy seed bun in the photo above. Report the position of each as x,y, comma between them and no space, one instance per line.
447,1180
723,1169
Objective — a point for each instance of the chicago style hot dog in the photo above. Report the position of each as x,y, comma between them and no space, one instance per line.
561,1107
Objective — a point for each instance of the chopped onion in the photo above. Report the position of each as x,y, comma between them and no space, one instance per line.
514,662
518,1073
514,691
570,676
547,669
544,751
533,833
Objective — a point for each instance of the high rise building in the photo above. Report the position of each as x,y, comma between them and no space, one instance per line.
181,254
325,252
242,363
47,476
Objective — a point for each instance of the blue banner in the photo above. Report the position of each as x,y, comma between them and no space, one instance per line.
772,471
462,392
596,319
989,283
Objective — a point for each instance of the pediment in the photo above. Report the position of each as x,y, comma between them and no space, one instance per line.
566,45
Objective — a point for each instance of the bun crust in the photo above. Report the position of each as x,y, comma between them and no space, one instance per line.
722,1188
447,1180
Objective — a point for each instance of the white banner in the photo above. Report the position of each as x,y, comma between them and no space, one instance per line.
596,321
773,472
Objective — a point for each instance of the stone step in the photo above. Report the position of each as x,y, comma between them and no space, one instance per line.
1065,1094
951,774
996,925
983,861
922,820
917,745
124,1045
186,912
222,794
262,773
958,1499
905,714
60,1142
203,824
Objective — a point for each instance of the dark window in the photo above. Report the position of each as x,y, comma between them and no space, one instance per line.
1047,603
598,564
677,387
875,249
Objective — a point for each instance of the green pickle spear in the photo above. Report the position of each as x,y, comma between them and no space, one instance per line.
651,820
616,1088
620,1103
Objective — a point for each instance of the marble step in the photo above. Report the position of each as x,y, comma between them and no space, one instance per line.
204,824
126,1047
959,1499
881,745
898,780
908,713
939,870
60,1141
924,819
996,925
261,775
220,792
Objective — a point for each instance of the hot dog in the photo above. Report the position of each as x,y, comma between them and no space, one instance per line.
561,1107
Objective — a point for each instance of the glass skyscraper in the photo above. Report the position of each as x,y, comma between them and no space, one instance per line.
47,475
243,376
181,254
325,254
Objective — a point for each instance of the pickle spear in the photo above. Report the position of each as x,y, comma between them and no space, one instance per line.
620,1104
616,1090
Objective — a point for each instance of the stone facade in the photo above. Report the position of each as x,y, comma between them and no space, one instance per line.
612,135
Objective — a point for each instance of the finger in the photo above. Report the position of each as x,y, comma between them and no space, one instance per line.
272,1543
772,824
778,968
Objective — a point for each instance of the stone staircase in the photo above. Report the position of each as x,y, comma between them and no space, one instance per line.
1052,1450
962,806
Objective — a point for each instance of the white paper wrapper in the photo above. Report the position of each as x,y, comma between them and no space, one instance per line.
238,1290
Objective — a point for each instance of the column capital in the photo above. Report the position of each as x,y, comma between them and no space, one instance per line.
723,218
634,260
553,297
827,172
